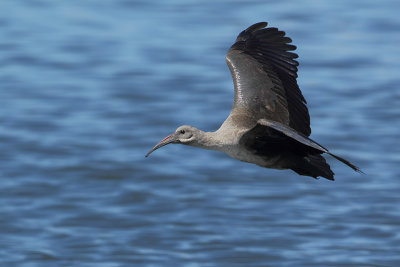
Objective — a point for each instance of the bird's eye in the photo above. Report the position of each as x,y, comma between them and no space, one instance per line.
182,131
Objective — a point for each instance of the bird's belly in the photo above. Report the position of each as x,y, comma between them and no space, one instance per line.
247,156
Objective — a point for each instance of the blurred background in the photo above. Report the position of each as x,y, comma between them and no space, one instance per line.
88,87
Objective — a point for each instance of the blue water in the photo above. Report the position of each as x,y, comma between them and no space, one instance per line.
88,87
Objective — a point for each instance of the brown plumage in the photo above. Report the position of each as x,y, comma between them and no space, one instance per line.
269,124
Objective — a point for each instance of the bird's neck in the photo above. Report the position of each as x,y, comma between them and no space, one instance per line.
209,140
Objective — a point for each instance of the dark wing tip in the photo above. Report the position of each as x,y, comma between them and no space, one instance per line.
268,45
244,35
354,167
257,26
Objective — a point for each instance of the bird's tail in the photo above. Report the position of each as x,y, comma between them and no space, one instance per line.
314,166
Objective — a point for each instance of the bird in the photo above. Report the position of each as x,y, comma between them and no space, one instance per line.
269,124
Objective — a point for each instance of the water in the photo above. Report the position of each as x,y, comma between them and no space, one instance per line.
88,87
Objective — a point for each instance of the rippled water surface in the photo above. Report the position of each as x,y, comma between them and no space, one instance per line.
88,87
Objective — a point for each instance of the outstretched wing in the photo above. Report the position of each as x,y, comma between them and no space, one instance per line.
264,74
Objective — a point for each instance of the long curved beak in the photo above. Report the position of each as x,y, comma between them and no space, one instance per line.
172,138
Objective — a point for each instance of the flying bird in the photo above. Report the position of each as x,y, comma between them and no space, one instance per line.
269,124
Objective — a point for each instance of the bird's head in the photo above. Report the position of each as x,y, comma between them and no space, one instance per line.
185,134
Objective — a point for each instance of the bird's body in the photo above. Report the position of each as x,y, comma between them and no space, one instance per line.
229,135
269,124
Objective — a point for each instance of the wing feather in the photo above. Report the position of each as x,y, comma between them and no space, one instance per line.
264,73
